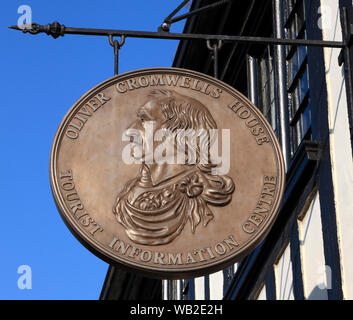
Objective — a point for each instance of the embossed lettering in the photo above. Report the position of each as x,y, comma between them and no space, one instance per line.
216,93
212,256
169,80
113,242
194,85
85,219
158,258
121,89
68,185
80,118
262,140
251,121
123,247
85,111
78,121
172,80
255,219
204,88
73,194
244,113
95,229
157,80
179,258
71,133
102,99
131,83
248,228
185,82
143,83
143,256
220,248
67,174
77,205
190,258
260,213
199,253
78,126
231,242
134,252
74,202
93,104
174,259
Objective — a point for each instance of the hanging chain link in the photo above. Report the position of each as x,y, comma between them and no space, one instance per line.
214,50
116,45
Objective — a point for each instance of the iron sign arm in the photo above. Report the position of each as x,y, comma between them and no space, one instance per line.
56,30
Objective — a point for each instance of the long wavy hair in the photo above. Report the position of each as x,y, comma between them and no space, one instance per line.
183,115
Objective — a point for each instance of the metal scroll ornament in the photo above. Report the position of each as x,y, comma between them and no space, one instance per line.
167,172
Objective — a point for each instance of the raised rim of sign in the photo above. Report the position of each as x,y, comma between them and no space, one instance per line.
106,254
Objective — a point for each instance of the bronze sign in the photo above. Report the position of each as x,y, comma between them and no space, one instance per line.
167,172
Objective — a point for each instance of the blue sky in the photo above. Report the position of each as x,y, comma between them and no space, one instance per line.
40,79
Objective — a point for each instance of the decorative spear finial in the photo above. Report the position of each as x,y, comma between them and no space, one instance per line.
55,29
14,27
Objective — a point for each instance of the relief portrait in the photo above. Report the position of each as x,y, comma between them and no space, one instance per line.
164,196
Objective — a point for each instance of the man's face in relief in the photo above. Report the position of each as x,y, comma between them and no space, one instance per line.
149,119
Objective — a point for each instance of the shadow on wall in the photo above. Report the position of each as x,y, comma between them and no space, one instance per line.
318,293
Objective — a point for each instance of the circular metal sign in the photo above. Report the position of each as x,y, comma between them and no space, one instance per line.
167,172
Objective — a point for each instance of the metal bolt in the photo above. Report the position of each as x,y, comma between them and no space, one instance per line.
165,27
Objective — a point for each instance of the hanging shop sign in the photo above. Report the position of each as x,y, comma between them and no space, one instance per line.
167,172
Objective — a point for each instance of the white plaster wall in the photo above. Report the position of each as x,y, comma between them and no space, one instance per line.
200,288
312,253
216,285
341,151
284,276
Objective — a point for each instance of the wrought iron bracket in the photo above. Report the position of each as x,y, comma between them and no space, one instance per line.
165,26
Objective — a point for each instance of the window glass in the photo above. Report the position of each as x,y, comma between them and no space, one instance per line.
298,80
266,85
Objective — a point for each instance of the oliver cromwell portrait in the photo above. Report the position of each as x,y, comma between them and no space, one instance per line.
166,194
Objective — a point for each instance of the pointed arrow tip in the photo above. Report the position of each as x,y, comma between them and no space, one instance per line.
14,27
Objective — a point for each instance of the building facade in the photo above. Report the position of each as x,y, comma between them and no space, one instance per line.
302,93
